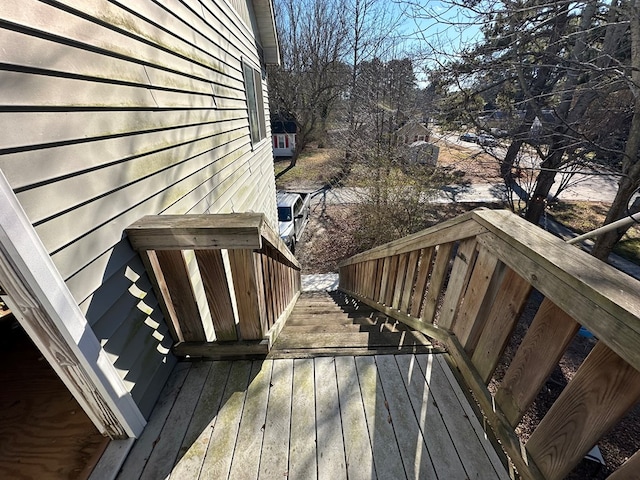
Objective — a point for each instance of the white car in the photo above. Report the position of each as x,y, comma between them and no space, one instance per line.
487,140
293,216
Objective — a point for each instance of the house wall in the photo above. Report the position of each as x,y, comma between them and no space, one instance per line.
110,114
290,144
411,133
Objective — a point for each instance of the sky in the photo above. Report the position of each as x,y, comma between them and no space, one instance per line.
432,30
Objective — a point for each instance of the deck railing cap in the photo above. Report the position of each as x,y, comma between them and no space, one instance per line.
206,231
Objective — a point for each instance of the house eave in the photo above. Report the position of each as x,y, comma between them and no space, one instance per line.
267,28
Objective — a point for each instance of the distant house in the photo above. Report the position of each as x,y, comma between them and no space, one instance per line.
421,153
111,113
284,137
412,132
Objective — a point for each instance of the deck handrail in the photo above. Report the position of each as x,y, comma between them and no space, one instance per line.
226,282
465,283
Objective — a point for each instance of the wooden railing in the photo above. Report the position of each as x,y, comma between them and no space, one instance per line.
226,283
465,283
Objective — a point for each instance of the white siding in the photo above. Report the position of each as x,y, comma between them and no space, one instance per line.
110,114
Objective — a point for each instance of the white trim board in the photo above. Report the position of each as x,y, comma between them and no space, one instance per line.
44,306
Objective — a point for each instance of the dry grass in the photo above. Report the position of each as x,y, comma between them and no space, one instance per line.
582,217
477,165
314,168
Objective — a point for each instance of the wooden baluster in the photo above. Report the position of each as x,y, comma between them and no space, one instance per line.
410,277
436,284
268,289
216,289
378,279
460,272
424,269
281,284
373,264
548,337
273,272
502,319
386,265
391,283
152,266
262,306
468,323
604,388
401,275
246,289
177,284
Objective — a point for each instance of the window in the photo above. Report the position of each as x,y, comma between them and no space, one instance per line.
281,141
255,103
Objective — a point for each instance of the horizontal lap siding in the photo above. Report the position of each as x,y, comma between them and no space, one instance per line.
110,114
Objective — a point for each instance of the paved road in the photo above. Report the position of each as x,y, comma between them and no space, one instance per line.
592,189
587,187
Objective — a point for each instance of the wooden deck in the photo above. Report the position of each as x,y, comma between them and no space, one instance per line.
356,414
385,416
351,416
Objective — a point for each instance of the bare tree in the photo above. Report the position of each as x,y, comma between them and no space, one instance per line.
313,75
555,66
630,181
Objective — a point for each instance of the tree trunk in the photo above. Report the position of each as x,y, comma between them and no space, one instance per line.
631,165
544,182
606,241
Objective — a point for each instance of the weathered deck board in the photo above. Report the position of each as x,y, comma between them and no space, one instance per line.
246,459
429,417
217,460
275,447
358,454
196,440
331,458
163,456
364,417
476,453
302,455
413,449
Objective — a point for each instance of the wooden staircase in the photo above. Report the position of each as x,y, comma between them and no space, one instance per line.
332,323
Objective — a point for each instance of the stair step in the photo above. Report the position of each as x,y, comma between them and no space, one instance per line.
347,328
334,324
290,340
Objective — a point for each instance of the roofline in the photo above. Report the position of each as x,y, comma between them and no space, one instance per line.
265,18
